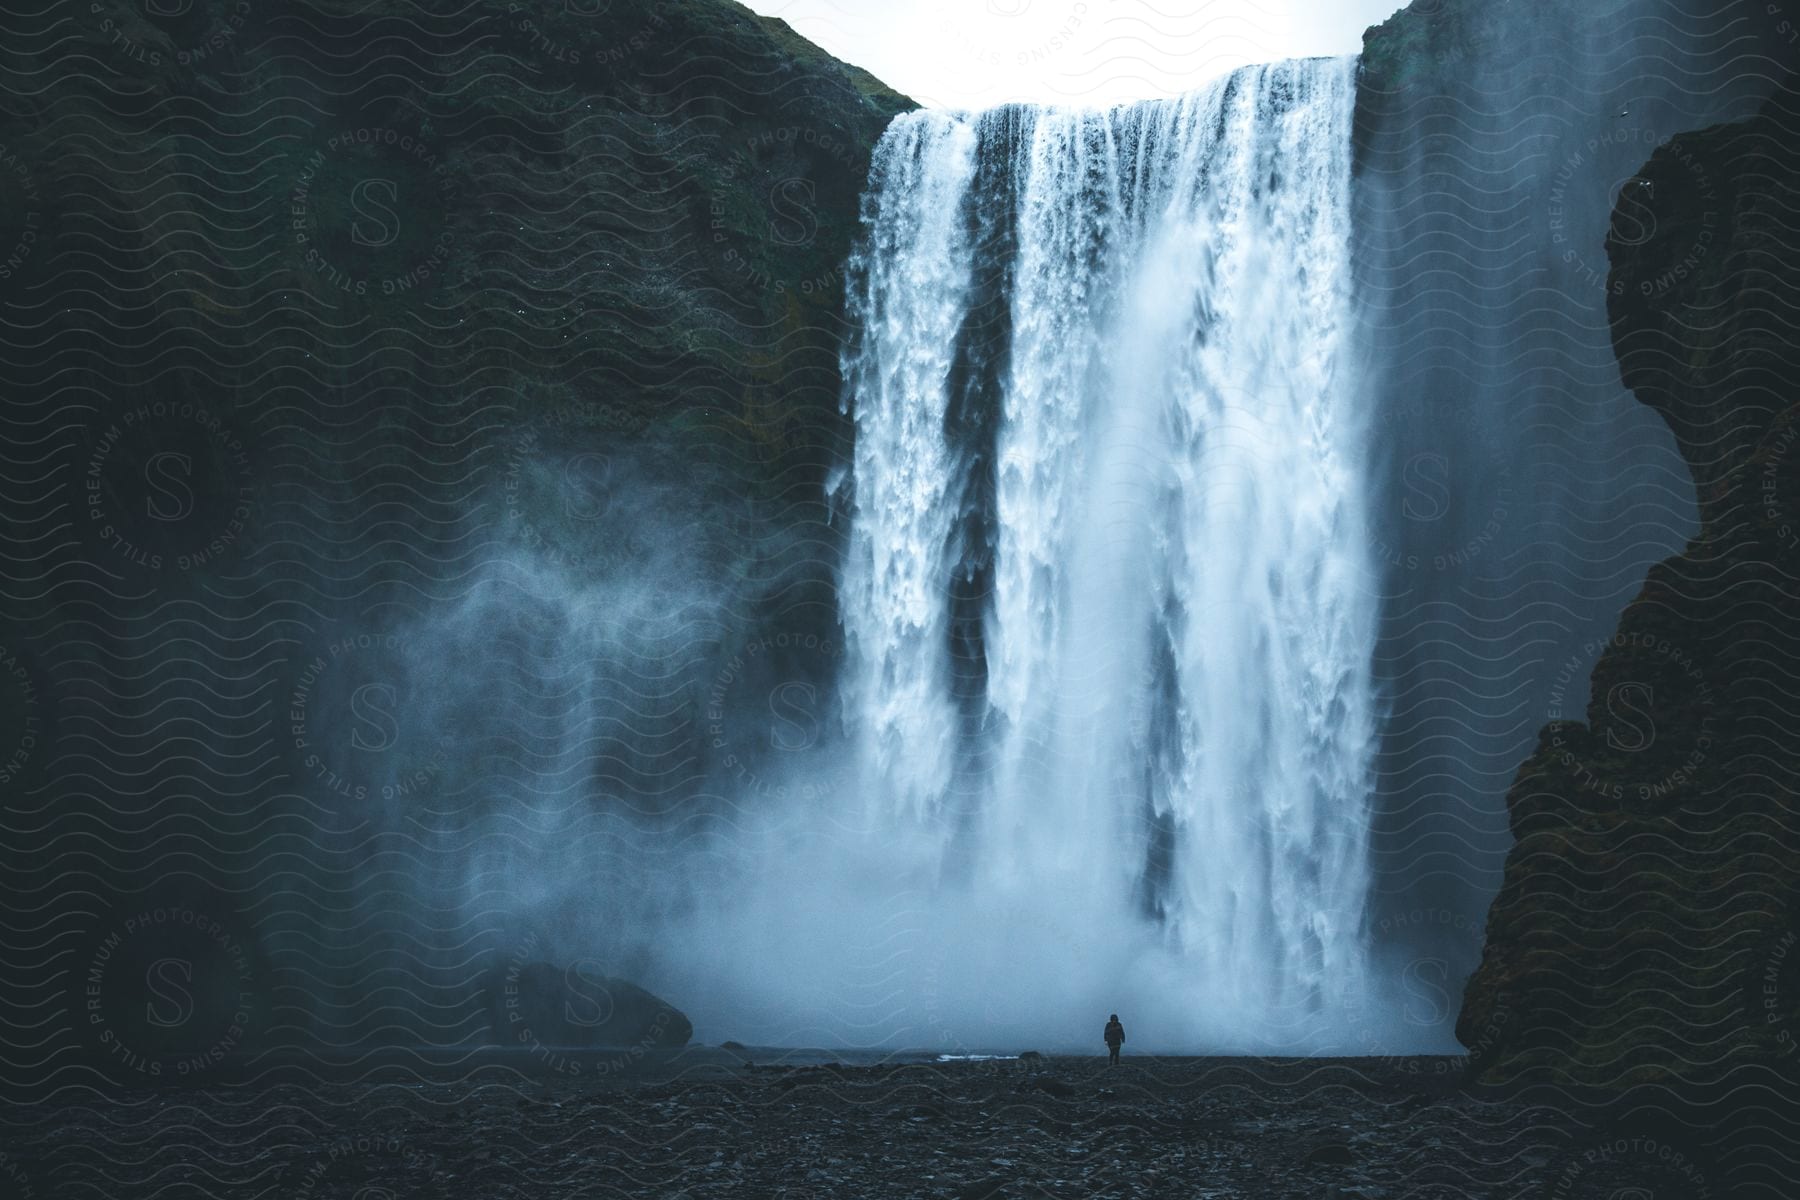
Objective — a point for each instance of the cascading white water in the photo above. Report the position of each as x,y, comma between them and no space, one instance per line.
1108,602
918,281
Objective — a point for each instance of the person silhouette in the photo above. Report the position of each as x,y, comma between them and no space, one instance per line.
1115,1037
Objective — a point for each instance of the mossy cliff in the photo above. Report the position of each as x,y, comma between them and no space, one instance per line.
551,285
635,212
438,350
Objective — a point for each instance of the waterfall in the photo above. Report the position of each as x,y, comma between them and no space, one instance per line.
1109,600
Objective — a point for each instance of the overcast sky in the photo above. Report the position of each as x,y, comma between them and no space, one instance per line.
974,53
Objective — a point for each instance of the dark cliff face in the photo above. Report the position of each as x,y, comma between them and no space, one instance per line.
421,402
1649,926
1521,493
638,206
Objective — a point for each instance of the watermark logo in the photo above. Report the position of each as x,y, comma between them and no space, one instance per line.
1015,33
545,44
1651,719
562,478
1634,208
371,1166
575,1019
347,720
1426,997
1786,30
780,171
169,992
19,711
18,1182
1627,1167
190,33
1772,997
168,485
370,211
1778,480
767,714
1438,530
554,37
21,212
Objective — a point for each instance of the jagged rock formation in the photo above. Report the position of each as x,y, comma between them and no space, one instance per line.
1647,930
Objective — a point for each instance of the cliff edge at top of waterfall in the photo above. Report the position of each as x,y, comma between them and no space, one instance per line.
1430,47
1429,40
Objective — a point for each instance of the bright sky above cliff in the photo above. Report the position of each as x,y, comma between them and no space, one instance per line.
975,53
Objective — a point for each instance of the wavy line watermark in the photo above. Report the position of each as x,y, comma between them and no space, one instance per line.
169,485
168,992
22,200
193,31
587,1004
361,209
766,717
20,709
1635,216
781,167
364,683
1627,1167
1630,726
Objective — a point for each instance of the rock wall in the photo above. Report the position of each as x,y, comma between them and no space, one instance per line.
1649,927
408,407
1523,493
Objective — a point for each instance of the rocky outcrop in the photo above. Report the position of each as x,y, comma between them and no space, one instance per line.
539,1005
1648,930
1492,140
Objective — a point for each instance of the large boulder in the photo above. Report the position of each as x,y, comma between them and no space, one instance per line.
541,1004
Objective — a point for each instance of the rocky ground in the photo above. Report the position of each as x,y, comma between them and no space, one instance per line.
712,1123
